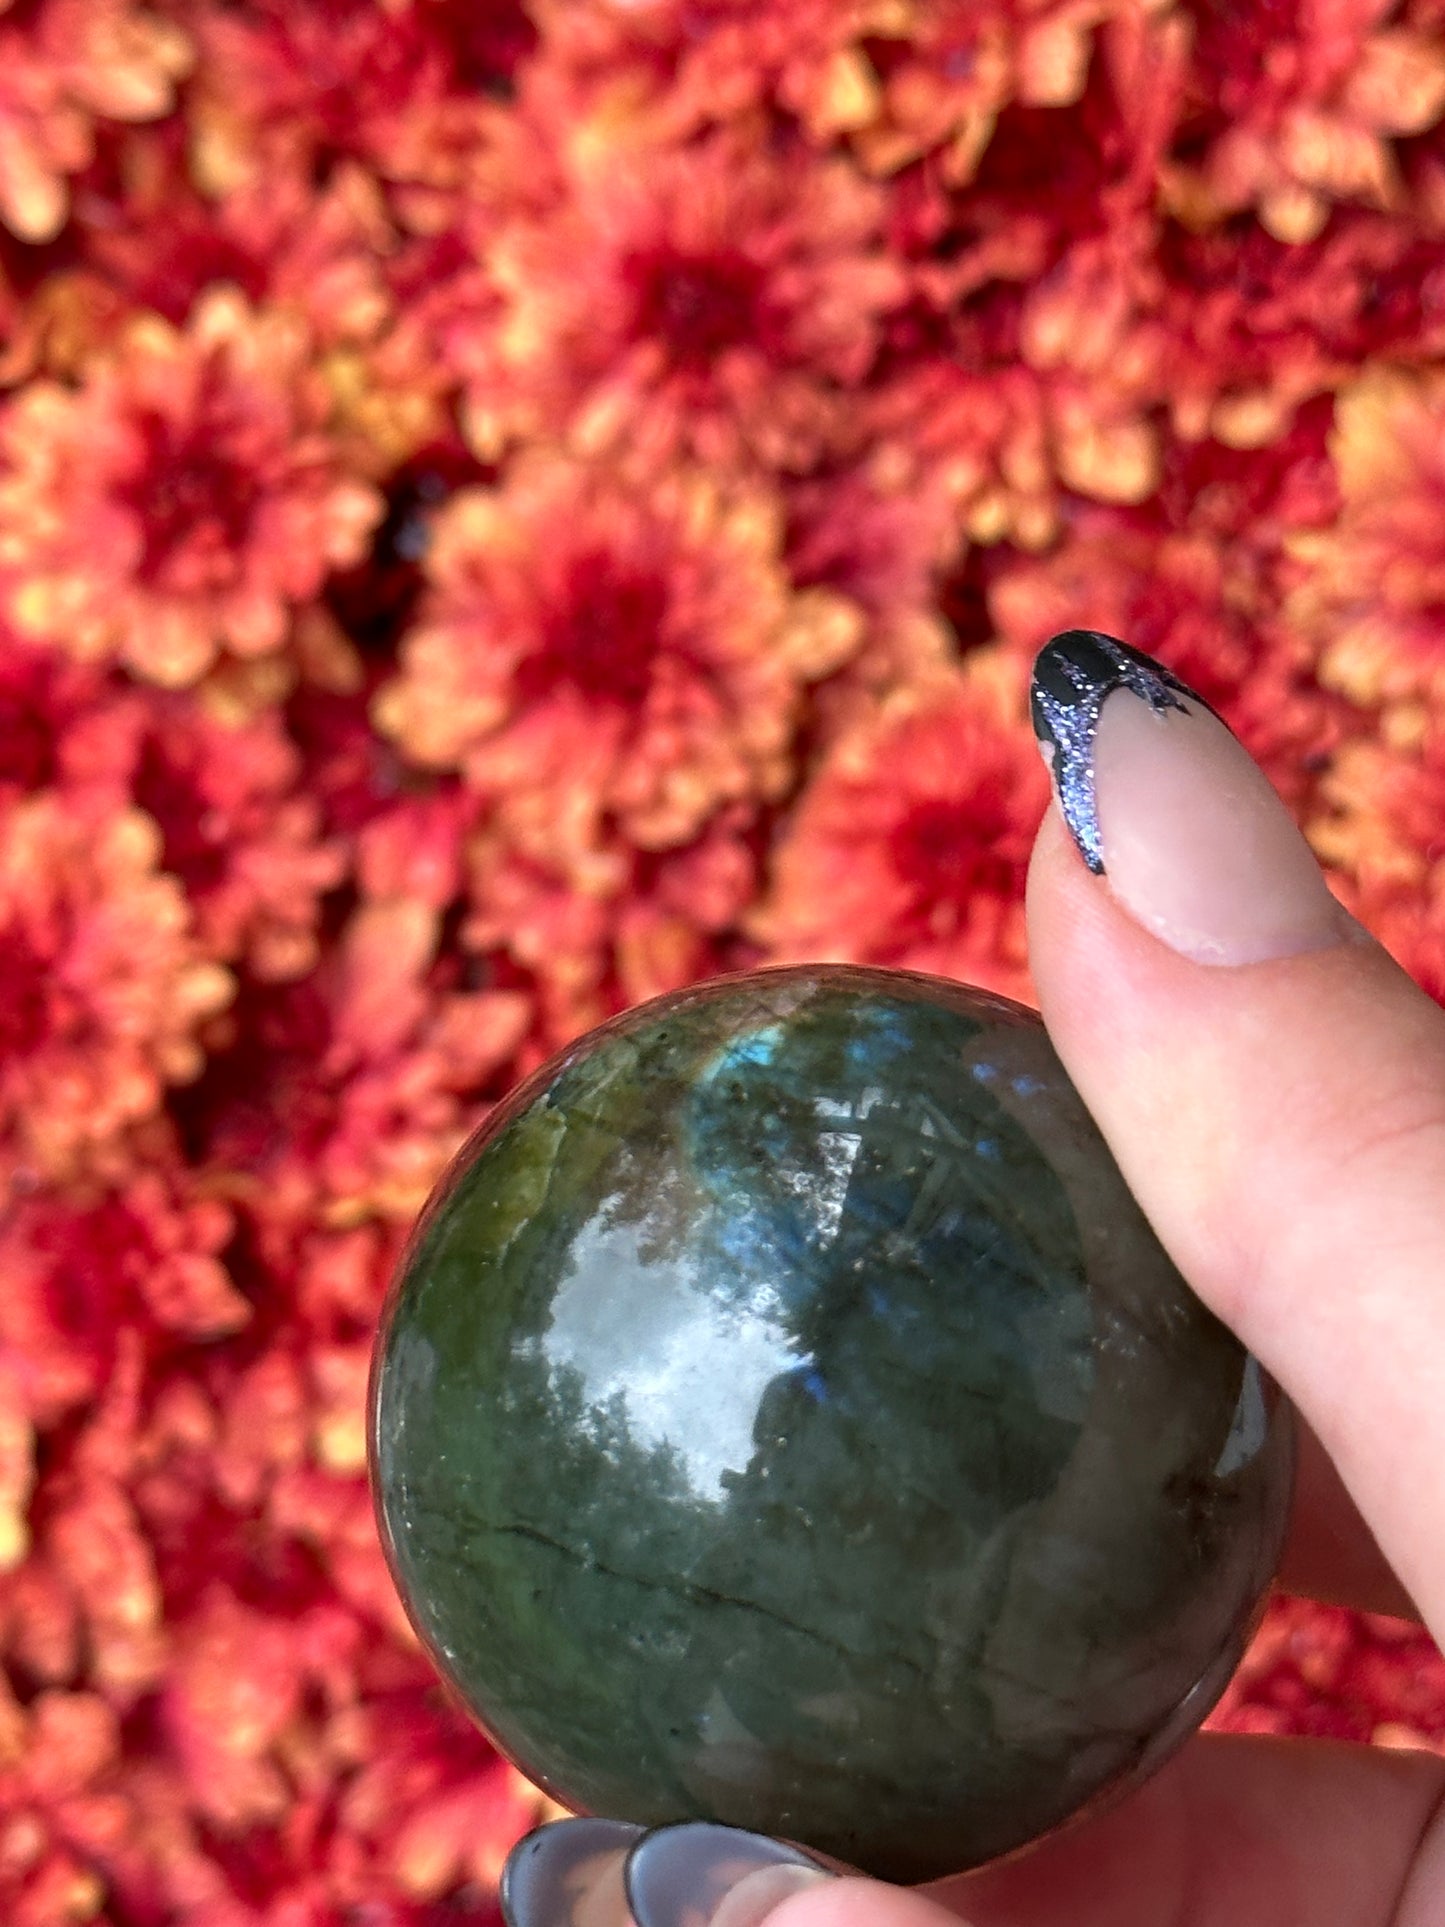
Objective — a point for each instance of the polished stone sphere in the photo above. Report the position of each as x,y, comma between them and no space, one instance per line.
785,1416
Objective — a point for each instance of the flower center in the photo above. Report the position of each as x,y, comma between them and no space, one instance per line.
193,849
699,304
193,502
940,849
605,636
24,1004
27,746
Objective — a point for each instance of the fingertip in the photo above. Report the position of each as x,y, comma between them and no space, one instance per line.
854,1901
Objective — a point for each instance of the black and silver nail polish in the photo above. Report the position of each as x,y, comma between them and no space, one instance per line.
1074,674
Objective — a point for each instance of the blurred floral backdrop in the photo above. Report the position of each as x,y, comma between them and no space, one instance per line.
507,507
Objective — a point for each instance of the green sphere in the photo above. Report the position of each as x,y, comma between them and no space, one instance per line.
784,1415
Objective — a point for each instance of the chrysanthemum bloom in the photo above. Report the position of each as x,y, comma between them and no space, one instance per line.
59,720
1007,441
714,298
1253,327
237,832
339,1098
909,846
949,67
640,923
690,63
296,85
1297,111
1323,1671
63,64
884,537
183,500
429,1799
102,985
1374,584
80,1269
62,1751
595,655
1380,822
283,242
1198,579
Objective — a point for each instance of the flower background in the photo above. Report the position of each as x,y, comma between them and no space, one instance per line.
507,506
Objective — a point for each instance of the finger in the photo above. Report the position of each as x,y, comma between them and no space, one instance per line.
1331,1553
611,1873
1233,1833
1271,1083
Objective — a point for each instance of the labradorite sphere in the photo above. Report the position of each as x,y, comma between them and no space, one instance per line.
784,1415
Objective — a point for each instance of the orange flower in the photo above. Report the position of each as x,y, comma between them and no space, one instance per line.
235,831
182,501
889,541
592,654
282,242
1297,115
340,1098
644,922
909,846
58,1760
1381,823
102,986
713,299
293,86
1373,585
57,718
63,64
951,66
695,62
80,1271
1253,327
1027,393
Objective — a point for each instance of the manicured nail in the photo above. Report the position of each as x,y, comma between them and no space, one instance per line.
700,1874
1165,802
569,1874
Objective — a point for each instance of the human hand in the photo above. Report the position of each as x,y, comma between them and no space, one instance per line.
1273,1087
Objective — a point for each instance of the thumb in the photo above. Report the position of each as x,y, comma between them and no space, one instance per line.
1271,1083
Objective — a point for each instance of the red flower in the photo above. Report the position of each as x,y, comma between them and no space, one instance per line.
283,243
909,846
102,985
1323,1671
182,501
641,923
340,1098
595,655
57,719
236,831
80,1270
713,299
1296,109
60,1755
293,86
1253,326
696,62
63,64
956,64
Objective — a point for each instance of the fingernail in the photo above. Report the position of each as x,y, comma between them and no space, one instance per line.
699,1874
1165,803
569,1874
